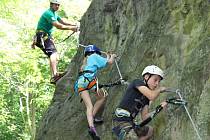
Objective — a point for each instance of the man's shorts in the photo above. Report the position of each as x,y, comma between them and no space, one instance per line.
130,133
45,43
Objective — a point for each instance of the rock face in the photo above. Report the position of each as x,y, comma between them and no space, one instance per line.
173,34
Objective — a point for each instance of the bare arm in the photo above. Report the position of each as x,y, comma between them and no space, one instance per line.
66,23
64,27
151,94
145,113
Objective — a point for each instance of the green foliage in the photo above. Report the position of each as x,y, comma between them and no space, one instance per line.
24,72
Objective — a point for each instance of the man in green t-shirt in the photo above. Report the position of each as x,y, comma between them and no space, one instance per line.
43,38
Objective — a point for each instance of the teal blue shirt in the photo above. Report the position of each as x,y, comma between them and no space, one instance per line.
94,63
46,20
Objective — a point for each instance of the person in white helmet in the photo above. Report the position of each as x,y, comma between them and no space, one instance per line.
43,38
136,101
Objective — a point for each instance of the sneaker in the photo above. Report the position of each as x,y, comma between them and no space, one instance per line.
93,133
54,79
98,120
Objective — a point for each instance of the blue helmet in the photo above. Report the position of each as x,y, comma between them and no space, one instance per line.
92,49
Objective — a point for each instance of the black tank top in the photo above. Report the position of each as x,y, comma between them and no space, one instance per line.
133,100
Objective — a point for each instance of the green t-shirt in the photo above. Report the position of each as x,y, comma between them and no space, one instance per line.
46,20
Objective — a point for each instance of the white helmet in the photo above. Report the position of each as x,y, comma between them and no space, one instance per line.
152,69
55,1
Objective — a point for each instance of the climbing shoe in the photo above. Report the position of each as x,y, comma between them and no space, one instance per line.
55,78
98,120
92,132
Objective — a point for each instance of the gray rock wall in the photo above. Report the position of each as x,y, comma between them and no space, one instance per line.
173,34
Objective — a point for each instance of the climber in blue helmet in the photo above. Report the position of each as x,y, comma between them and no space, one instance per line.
87,82
136,101
91,49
